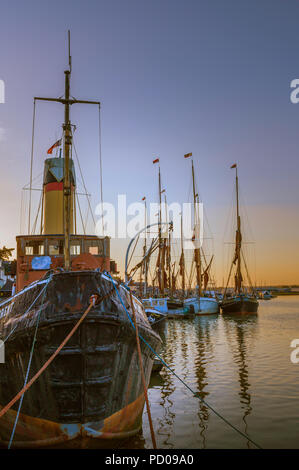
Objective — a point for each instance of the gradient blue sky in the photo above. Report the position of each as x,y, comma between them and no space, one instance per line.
211,77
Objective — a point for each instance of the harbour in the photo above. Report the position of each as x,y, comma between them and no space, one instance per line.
242,367
132,314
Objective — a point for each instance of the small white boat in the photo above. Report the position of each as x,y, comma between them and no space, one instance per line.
266,295
154,316
156,304
203,305
167,306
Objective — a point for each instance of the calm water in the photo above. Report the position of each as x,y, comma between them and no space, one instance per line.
241,366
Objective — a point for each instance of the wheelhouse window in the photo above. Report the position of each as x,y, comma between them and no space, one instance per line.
94,247
55,247
75,247
34,248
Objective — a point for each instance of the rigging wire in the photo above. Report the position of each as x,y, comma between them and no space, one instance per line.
28,309
37,214
247,272
83,227
31,165
87,196
195,394
21,211
101,169
29,363
86,217
34,179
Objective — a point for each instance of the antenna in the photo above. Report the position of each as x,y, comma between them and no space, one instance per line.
69,44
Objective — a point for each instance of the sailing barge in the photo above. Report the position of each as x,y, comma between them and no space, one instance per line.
92,391
200,304
242,301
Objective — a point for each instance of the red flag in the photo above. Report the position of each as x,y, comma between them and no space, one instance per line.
57,144
188,155
156,161
234,165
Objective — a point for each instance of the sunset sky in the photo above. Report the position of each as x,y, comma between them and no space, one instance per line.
210,77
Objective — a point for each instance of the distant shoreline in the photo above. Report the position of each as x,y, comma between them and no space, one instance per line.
295,292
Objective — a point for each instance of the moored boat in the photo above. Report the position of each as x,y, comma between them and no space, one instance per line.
266,295
202,305
241,301
92,390
171,308
156,319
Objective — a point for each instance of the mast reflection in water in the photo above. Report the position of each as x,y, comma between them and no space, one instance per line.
241,366
240,333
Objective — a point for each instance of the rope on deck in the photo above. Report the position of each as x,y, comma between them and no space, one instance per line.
195,394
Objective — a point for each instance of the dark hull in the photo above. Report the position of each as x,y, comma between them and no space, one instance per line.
174,304
92,390
159,326
158,365
4,295
239,306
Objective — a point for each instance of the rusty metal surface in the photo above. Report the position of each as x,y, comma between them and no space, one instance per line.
93,387
39,433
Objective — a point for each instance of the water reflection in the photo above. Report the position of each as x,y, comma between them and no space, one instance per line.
203,354
240,365
165,422
240,331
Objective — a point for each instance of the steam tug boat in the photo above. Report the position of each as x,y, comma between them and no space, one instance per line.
92,391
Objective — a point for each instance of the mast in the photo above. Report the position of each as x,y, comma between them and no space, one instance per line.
197,258
238,238
173,278
182,259
161,257
169,264
169,261
67,200
167,246
237,256
66,180
144,250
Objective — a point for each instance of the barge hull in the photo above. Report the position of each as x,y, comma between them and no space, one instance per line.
242,306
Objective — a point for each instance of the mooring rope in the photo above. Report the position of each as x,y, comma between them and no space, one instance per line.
29,363
28,309
142,375
94,300
195,394
48,362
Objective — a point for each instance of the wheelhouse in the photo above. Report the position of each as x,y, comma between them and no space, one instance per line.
36,254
